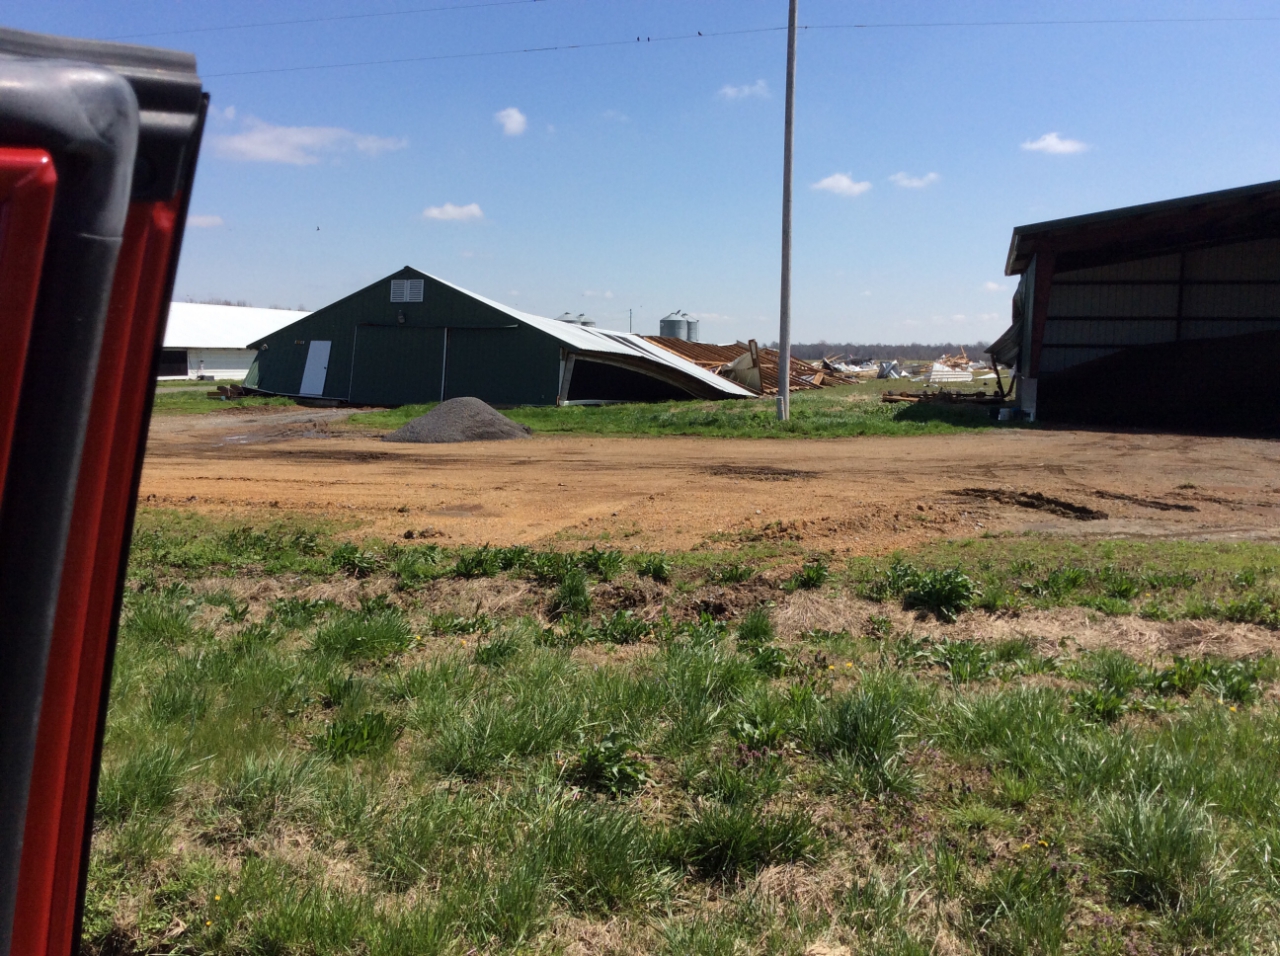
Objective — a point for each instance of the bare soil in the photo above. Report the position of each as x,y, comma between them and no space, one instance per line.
848,496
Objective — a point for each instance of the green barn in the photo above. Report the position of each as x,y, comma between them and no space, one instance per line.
412,338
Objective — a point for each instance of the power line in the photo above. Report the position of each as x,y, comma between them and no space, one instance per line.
1038,23
533,49
346,16
732,33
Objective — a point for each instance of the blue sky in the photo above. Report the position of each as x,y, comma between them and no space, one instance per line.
648,176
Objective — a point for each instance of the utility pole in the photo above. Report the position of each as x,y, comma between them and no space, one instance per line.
784,313
628,321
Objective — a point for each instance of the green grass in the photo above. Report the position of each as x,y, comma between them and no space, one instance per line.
305,757
170,401
837,412
1159,580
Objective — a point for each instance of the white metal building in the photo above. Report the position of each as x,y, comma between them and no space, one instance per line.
213,340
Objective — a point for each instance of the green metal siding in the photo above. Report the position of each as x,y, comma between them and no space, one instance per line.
519,366
396,365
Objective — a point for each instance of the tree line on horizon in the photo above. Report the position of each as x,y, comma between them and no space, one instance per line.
915,351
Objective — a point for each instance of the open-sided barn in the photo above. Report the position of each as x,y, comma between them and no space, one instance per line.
1142,315
412,338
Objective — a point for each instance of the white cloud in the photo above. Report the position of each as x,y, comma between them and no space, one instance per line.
229,113
512,121
451,213
204,222
907,181
1053,143
616,115
730,92
994,287
842,185
262,142
592,294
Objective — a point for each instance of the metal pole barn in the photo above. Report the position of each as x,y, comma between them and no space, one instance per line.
784,316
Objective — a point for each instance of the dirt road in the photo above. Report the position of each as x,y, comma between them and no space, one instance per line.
856,495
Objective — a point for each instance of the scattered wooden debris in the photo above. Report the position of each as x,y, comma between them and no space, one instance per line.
752,366
944,396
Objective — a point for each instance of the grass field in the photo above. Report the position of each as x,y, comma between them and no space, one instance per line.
827,413
844,411
188,401
318,744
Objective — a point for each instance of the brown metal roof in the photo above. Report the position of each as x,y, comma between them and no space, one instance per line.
1116,235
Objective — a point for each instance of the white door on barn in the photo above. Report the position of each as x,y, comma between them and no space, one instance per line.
317,367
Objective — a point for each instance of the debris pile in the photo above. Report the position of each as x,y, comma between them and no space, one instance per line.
459,419
943,396
752,366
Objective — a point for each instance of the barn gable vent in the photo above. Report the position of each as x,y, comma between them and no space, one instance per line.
406,290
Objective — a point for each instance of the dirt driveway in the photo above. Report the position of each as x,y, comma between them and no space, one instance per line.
854,495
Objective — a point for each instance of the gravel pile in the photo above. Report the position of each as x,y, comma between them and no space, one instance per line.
460,419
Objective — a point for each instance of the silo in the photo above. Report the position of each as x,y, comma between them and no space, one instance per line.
692,325
674,327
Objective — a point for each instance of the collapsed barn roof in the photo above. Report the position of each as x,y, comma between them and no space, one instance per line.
414,338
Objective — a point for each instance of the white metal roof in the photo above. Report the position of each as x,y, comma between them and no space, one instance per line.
196,325
579,338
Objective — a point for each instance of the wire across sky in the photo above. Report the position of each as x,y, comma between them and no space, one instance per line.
701,35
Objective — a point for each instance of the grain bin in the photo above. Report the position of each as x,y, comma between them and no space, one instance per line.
674,326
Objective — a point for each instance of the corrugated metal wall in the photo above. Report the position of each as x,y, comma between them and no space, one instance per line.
1199,294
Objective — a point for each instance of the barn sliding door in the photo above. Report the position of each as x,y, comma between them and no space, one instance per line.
397,365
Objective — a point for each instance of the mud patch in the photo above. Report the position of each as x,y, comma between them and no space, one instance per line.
1144,502
458,511
759,472
1035,501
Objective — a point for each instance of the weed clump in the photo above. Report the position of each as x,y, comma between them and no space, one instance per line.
732,573
727,842
623,627
606,565
572,596
655,566
756,628
1022,909
369,634
811,576
481,562
370,733
609,766
163,619
497,651
946,593
868,727
348,558
1157,848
